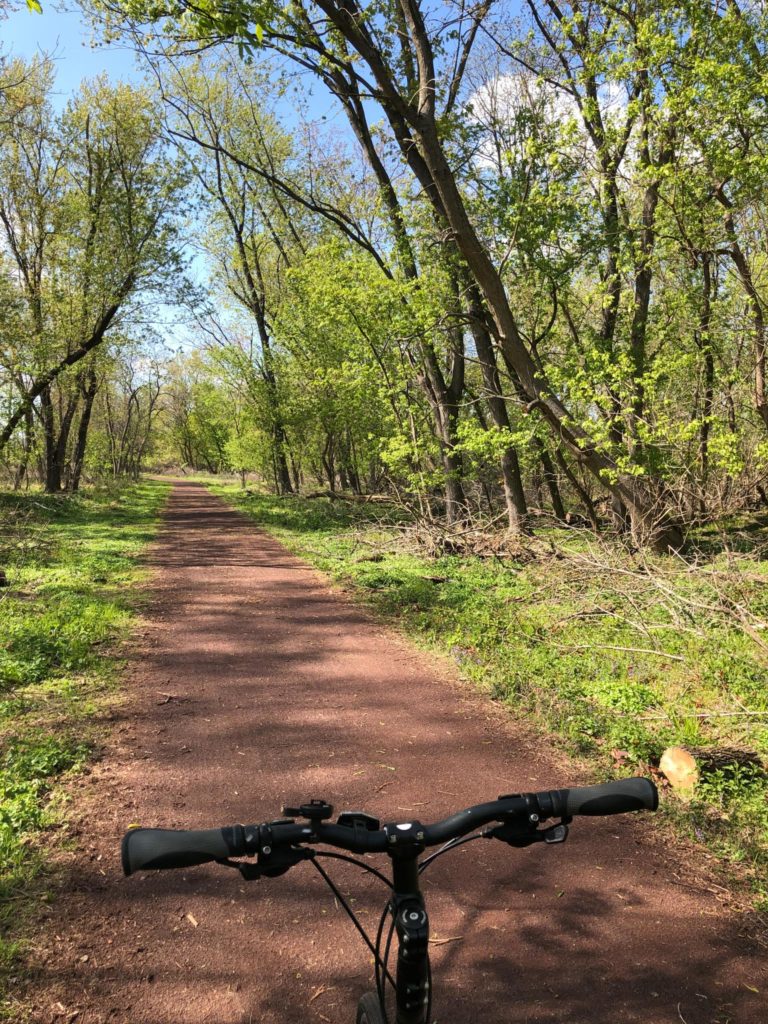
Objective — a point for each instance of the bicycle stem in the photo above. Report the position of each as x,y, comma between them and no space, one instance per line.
412,928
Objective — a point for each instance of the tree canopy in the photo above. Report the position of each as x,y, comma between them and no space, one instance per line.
521,272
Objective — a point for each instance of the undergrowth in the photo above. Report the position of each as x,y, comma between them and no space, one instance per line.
71,569
618,657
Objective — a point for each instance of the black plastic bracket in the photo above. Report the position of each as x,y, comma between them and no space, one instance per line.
315,810
359,820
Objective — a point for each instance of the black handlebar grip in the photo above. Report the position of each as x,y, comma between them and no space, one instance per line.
618,797
153,849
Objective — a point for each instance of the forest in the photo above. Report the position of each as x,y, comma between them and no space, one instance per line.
516,273
463,303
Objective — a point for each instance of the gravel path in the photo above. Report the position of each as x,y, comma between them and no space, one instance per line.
254,684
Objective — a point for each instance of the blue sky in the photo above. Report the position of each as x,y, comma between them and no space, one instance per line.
66,35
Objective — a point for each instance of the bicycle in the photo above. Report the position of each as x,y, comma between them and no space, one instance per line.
517,819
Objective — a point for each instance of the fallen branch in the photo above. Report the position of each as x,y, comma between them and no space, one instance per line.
624,650
707,714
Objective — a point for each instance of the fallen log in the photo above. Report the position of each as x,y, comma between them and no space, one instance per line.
350,496
684,767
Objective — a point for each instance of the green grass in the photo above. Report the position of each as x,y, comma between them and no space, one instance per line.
72,573
618,659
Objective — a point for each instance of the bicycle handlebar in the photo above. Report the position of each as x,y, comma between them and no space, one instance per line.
145,849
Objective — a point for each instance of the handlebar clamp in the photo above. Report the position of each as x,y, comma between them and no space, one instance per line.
405,838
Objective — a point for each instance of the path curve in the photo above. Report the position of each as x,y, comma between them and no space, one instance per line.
282,690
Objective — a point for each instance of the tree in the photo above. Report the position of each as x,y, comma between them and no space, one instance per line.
252,228
88,212
219,115
416,86
569,211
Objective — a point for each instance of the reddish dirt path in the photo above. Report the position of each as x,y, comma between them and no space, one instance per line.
282,691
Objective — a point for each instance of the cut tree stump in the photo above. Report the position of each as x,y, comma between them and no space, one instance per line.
685,766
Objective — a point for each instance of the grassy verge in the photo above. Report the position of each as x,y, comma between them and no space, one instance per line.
619,658
71,571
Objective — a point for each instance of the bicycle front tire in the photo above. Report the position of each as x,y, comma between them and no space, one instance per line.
369,1010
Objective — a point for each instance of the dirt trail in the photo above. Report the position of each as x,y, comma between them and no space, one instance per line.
281,690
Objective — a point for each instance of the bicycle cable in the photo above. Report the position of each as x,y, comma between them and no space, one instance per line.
351,914
378,959
385,961
360,863
450,845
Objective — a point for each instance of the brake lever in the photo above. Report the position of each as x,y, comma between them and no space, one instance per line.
271,865
522,834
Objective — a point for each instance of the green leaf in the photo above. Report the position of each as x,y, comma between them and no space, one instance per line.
259,32
34,5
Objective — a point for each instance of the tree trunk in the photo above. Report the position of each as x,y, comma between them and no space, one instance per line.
550,478
78,460
455,499
759,327
28,445
296,474
329,462
254,299
704,343
589,505
514,493
53,468
284,482
645,243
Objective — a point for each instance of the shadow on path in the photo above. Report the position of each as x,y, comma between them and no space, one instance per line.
257,686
